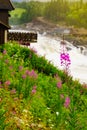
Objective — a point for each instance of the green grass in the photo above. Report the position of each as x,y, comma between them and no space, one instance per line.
35,95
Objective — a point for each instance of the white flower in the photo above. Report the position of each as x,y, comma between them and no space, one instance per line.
57,113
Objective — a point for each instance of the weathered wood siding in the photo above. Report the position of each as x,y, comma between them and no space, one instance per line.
4,16
2,35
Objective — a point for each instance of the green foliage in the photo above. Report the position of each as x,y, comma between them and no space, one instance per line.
17,15
56,10
2,118
25,12
71,13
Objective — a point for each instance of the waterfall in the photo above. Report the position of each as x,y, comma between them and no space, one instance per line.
50,48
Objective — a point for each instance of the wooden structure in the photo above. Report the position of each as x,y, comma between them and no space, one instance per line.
24,37
5,7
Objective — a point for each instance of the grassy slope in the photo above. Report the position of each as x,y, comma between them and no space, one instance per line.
33,93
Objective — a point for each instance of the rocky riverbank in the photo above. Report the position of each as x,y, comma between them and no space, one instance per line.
78,37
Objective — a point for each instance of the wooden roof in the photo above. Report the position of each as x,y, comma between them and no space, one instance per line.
6,4
4,25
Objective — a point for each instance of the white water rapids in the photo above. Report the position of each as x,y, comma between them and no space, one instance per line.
50,48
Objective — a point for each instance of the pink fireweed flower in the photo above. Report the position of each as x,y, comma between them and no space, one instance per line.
33,74
4,52
13,91
27,72
64,56
16,99
24,76
34,90
34,87
59,84
67,102
6,61
7,83
20,68
10,67
65,60
13,112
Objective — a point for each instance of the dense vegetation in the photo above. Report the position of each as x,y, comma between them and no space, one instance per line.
35,95
70,13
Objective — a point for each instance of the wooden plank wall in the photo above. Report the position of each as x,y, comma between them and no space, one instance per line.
24,38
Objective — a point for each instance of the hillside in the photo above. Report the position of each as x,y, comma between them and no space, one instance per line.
35,95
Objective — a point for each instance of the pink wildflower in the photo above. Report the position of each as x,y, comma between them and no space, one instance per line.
34,90
59,84
27,72
65,60
33,74
67,102
34,87
6,61
20,68
64,57
16,98
13,91
14,112
4,52
7,83
24,76
10,67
